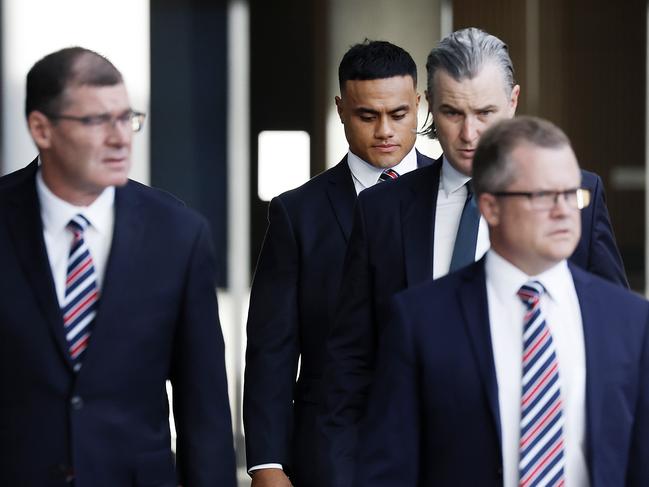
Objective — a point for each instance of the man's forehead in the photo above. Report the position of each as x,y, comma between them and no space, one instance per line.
404,83
487,84
84,94
547,165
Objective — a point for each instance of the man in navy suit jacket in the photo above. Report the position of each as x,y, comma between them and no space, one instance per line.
405,234
84,400
298,273
472,389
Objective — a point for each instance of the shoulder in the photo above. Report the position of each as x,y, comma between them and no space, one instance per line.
16,179
159,206
423,160
339,174
313,195
590,180
614,295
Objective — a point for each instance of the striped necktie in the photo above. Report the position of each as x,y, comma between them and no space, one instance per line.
81,293
541,450
387,175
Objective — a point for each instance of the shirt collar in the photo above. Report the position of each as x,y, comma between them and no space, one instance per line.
368,175
507,279
452,179
57,213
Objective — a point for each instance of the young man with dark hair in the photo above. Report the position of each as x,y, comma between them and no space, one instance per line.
298,273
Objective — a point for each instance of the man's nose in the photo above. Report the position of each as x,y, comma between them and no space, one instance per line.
469,129
384,129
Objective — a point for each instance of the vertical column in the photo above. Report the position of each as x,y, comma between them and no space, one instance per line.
238,158
118,29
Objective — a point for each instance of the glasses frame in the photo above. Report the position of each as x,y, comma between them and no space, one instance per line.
582,197
135,118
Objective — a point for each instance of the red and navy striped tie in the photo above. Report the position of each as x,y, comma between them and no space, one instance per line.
81,293
541,448
388,175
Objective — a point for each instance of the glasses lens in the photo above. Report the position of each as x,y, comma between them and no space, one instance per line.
543,201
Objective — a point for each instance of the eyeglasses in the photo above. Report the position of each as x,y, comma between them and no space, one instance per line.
131,118
578,198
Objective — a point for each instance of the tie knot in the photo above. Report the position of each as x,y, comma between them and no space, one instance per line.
388,174
530,293
78,224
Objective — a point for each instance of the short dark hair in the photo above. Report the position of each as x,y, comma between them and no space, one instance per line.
375,60
462,55
72,66
491,162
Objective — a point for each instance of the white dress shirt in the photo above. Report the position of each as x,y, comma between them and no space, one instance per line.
366,175
560,307
57,213
451,197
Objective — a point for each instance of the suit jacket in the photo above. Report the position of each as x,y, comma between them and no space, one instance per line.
292,301
436,393
390,249
107,425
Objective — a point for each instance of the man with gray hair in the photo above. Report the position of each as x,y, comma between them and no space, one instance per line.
427,224
520,369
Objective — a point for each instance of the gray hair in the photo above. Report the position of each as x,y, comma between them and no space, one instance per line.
462,55
492,171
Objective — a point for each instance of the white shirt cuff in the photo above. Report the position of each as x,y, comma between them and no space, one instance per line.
265,465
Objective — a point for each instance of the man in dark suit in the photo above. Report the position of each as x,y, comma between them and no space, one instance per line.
298,273
107,291
426,224
520,369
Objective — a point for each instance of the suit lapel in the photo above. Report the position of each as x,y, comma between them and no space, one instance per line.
473,302
595,345
418,217
26,230
126,243
342,195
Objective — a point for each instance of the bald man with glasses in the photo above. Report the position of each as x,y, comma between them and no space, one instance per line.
521,369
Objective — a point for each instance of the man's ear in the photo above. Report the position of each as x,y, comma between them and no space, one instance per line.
339,108
489,208
513,100
40,129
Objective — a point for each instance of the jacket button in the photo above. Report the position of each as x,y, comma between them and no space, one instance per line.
76,402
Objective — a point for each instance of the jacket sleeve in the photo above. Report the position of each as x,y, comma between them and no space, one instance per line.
205,453
273,344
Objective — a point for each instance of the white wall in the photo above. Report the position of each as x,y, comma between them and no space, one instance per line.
118,29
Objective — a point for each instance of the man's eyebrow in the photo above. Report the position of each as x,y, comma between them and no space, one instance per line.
400,108
372,111
366,110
